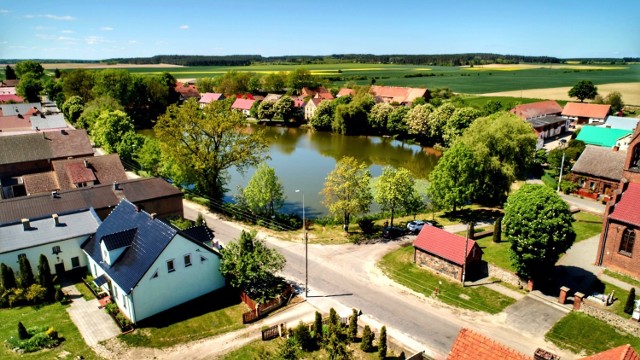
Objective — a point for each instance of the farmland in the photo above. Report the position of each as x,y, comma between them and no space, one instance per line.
477,80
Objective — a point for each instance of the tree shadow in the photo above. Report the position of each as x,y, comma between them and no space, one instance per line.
466,215
575,278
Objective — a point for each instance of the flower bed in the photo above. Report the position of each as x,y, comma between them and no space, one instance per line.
97,292
122,321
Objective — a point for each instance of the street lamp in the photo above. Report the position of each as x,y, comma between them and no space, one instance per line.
561,168
306,249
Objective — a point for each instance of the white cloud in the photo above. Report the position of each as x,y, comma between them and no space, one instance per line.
40,28
67,31
92,40
52,17
106,28
4,11
184,27
132,42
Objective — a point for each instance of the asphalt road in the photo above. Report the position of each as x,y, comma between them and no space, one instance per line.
344,280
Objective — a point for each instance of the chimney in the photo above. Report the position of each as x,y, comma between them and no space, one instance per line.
86,163
56,220
26,225
63,132
54,194
137,208
153,215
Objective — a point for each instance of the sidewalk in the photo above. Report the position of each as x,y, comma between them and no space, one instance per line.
94,323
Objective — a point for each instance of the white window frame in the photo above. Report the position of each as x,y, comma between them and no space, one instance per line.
185,257
173,265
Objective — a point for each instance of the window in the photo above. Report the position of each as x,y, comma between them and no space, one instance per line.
104,255
628,238
56,250
124,302
187,260
170,266
75,262
95,270
635,159
592,185
115,292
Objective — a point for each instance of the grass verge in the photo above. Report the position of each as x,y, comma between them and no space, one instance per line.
629,280
498,254
579,333
54,315
586,225
212,314
84,290
399,266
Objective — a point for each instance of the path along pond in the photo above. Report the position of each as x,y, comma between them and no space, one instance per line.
302,158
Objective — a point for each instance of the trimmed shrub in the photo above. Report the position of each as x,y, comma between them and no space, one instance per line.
366,225
111,308
353,326
367,339
317,328
629,305
303,337
382,343
497,230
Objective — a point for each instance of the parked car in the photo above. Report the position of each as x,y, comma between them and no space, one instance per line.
416,225
392,232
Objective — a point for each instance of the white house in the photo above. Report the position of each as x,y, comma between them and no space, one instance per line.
310,108
57,236
149,266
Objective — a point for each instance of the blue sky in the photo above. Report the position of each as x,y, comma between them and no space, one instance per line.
89,29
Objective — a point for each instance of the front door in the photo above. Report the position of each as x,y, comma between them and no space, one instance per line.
60,268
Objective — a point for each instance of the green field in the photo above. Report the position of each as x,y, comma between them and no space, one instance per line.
463,80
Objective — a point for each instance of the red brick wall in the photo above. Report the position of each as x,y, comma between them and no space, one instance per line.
440,265
613,259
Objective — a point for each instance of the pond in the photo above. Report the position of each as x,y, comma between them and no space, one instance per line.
302,158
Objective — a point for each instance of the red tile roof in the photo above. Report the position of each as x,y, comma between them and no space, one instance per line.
209,97
320,91
245,96
345,92
78,173
444,244
596,111
242,104
10,97
626,210
537,109
297,101
470,345
187,91
397,94
624,352
15,123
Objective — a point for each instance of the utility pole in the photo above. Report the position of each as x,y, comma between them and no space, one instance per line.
306,250
561,167
464,261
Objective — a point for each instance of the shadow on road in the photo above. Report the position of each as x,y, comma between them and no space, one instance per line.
330,295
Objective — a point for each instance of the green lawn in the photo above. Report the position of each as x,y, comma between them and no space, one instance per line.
84,290
578,332
399,266
497,254
586,225
629,280
617,308
54,315
209,315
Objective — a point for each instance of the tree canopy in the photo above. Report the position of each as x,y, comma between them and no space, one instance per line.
346,189
29,87
110,128
250,265
29,67
202,144
264,194
454,180
537,222
395,190
583,90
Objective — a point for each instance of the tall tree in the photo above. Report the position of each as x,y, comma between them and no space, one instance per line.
454,180
130,143
418,120
438,120
264,194
250,265
91,110
205,143
537,223
265,110
78,82
346,190
300,78
379,115
583,90
30,87
29,67
44,277
110,128
9,73
73,108
148,156
614,99
323,117
395,190
397,123
8,278
459,121
382,343
26,273
284,108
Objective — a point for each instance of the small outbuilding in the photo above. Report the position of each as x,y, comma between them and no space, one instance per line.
445,253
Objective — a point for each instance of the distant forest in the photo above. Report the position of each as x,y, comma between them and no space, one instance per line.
433,60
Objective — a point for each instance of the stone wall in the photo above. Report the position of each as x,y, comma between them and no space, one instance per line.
630,326
504,275
440,265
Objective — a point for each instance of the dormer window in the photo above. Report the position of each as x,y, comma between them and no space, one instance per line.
56,250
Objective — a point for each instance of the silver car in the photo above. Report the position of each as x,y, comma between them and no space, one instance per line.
416,225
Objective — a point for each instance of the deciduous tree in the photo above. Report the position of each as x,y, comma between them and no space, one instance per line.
459,121
110,128
537,223
29,87
284,108
323,116
583,90
438,120
394,190
204,143
396,123
264,194
454,180
379,115
73,108
265,110
346,190
29,67
418,120
614,99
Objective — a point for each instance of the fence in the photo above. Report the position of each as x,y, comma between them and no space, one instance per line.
260,310
270,333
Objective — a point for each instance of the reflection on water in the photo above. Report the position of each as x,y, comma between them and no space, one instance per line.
302,159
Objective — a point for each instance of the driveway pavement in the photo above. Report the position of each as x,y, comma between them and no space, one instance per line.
94,323
534,317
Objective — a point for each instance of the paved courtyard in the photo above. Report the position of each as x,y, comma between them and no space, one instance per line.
534,316
94,323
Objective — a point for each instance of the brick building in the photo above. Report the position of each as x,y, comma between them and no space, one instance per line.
617,250
445,252
598,171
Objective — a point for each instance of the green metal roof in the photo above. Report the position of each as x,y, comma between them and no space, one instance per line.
601,136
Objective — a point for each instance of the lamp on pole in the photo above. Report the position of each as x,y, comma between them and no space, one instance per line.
306,249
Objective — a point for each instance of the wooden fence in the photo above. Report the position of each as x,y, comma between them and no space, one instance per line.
270,333
260,310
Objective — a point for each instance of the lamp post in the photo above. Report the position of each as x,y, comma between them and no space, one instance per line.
306,250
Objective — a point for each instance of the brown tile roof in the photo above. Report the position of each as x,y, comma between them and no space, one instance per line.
242,104
403,95
600,162
596,111
106,169
9,82
320,91
470,345
345,92
624,352
40,183
99,197
537,109
14,123
70,143
79,174
187,91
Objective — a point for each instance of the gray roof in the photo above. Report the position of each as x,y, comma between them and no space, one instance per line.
44,146
600,162
42,230
53,121
618,122
15,109
546,120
